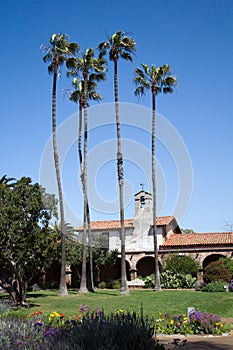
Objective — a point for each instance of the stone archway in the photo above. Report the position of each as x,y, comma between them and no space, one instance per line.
145,266
210,258
113,272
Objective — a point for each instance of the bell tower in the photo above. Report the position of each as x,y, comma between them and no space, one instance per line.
143,215
143,203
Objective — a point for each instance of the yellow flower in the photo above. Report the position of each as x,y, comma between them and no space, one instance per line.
53,314
120,311
172,322
218,324
160,314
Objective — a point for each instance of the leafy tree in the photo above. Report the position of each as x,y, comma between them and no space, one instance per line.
120,46
183,264
92,69
27,244
56,54
157,80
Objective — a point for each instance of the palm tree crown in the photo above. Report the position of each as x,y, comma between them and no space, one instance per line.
77,95
58,51
119,45
159,80
86,64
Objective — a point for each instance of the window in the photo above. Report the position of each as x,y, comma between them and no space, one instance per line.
142,202
100,239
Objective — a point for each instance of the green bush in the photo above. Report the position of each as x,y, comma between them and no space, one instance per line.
214,286
170,280
110,284
183,264
173,280
113,284
216,271
102,285
149,282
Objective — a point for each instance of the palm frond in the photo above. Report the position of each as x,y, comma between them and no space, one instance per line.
70,63
50,68
167,90
146,68
139,91
171,80
125,55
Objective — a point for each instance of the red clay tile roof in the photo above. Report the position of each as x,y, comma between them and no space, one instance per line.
199,239
115,224
164,220
108,225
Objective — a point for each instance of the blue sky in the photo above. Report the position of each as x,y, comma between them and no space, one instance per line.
193,37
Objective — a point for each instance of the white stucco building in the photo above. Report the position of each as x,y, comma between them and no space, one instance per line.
139,241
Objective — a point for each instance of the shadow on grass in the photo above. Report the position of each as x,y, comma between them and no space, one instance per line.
117,294
96,292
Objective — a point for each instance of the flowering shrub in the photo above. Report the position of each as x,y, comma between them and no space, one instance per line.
88,330
217,271
168,324
198,323
206,322
93,329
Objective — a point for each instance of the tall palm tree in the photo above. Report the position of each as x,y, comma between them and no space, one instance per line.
77,96
157,80
56,54
88,66
120,46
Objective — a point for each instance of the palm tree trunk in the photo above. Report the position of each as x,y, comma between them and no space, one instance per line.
90,279
157,274
80,138
62,286
124,287
83,285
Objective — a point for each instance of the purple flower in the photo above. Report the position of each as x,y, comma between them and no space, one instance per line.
84,308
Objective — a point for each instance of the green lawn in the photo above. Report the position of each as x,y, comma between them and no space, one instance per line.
166,301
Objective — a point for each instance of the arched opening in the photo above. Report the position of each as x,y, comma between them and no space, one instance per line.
113,272
146,266
142,202
210,258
